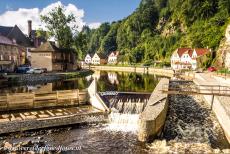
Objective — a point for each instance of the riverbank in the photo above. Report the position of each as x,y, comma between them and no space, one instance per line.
191,127
221,104
32,79
150,70
45,118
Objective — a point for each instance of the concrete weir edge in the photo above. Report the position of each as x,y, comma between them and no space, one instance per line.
152,119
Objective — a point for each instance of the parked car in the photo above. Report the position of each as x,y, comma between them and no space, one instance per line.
212,69
38,71
22,69
35,71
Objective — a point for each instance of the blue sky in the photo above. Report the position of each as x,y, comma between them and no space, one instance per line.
94,10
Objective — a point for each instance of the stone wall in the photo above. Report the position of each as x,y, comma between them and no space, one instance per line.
153,117
163,72
15,126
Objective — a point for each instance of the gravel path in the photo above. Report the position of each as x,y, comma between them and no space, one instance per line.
191,127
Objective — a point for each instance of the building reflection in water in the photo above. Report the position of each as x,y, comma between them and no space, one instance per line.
112,76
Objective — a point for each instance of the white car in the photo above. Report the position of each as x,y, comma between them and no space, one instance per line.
35,71
30,71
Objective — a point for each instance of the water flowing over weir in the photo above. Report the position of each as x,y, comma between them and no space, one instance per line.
125,111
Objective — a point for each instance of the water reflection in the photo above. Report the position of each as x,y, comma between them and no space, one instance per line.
107,81
123,81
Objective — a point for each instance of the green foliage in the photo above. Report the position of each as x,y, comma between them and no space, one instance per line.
57,24
157,27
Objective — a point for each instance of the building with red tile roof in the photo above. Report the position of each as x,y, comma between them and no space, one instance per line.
186,58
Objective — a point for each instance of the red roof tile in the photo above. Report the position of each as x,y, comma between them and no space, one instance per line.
201,51
181,51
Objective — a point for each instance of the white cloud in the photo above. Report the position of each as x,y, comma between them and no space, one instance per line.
21,16
94,25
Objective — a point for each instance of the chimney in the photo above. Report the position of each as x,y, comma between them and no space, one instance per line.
29,27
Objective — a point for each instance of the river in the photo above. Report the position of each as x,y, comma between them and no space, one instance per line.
120,135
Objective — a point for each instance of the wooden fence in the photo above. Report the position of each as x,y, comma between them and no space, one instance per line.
14,101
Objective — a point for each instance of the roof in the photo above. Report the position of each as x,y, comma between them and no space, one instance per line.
101,56
90,54
5,30
46,47
201,51
116,53
50,47
5,40
181,51
15,33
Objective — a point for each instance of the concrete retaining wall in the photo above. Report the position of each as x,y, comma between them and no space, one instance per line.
153,117
95,99
220,111
163,72
15,126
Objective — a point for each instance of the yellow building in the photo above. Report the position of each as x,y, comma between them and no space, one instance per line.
52,58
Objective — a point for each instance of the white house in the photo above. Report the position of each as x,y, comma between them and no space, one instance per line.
98,59
186,58
113,57
88,59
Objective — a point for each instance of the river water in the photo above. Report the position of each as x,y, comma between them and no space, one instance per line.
181,134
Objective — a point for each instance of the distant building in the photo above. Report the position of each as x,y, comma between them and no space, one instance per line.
113,57
99,59
11,55
14,33
186,58
27,42
52,58
88,59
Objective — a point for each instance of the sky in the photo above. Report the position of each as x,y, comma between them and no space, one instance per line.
87,12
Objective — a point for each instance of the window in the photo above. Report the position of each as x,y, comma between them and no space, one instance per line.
9,57
1,57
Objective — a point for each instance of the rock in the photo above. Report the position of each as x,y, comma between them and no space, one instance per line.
227,151
216,151
7,145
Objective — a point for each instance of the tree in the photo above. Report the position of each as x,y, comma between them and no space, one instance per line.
57,24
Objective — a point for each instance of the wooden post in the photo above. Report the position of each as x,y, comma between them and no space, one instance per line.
7,101
78,96
212,102
56,98
33,99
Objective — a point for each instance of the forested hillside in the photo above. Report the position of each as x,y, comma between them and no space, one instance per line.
157,28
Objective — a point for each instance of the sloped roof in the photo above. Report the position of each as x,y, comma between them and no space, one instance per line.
116,53
201,51
5,40
46,47
15,33
51,47
181,51
4,30
101,56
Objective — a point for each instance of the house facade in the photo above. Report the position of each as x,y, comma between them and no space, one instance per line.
52,58
10,55
88,59
113,57
99,59
186,58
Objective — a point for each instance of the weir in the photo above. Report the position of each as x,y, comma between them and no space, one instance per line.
125,110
